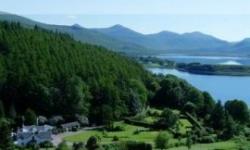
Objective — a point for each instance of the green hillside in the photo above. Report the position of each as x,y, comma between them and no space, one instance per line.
53,74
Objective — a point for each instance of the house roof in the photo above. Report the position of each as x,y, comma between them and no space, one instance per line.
34,128
44,135
24,135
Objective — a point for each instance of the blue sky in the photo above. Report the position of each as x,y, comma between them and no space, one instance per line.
226,19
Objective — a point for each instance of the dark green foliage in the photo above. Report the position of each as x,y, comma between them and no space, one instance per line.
218,118
128,145
52,74
33,145
168,118
209,104
78,97
189,141
138,146
162,140
207,139
176,93
63,146
238,110
5,134
46,144
78,146
230,128
12,111
30,117
93,143
2,113
115,138
170,93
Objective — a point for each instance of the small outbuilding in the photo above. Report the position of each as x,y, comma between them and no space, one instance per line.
71,126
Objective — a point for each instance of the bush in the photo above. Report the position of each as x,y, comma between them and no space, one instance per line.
78,146
168,119
162,140
119,128
116,129
115,138
207,139
93,143
131,145
136,132
46,144
113,146
33,145
63,146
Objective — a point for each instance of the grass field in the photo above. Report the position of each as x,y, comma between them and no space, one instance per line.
141,134
228,145
145,136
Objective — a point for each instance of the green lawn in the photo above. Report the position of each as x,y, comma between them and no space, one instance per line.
184,125
147,136
228,145
128,134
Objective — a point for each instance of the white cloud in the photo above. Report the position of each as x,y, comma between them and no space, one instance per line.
71,17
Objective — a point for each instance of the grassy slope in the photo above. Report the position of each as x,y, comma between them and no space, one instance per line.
228,145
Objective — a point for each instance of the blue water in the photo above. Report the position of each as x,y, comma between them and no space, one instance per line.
220,87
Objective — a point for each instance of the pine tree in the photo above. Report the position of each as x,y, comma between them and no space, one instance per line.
2,114
30,117
217,118
6,142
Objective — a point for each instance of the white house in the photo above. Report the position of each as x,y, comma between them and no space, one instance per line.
33,133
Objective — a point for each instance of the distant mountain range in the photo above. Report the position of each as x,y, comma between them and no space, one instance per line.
125,40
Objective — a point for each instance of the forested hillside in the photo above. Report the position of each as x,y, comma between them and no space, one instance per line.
53,74
49,74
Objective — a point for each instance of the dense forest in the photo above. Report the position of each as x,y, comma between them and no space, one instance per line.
52,74
49,73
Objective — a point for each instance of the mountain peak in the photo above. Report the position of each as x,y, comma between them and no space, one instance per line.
76,26
167,33
117,26
246,40
196,33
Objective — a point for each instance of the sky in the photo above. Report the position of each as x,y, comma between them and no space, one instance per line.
225,19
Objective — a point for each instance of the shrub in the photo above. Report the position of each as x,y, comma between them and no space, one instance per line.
115,138
114,146
115,129
46,144
119,128
131,145
168,119
162,140
78,146
63,146
33,146
93,143
207,139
